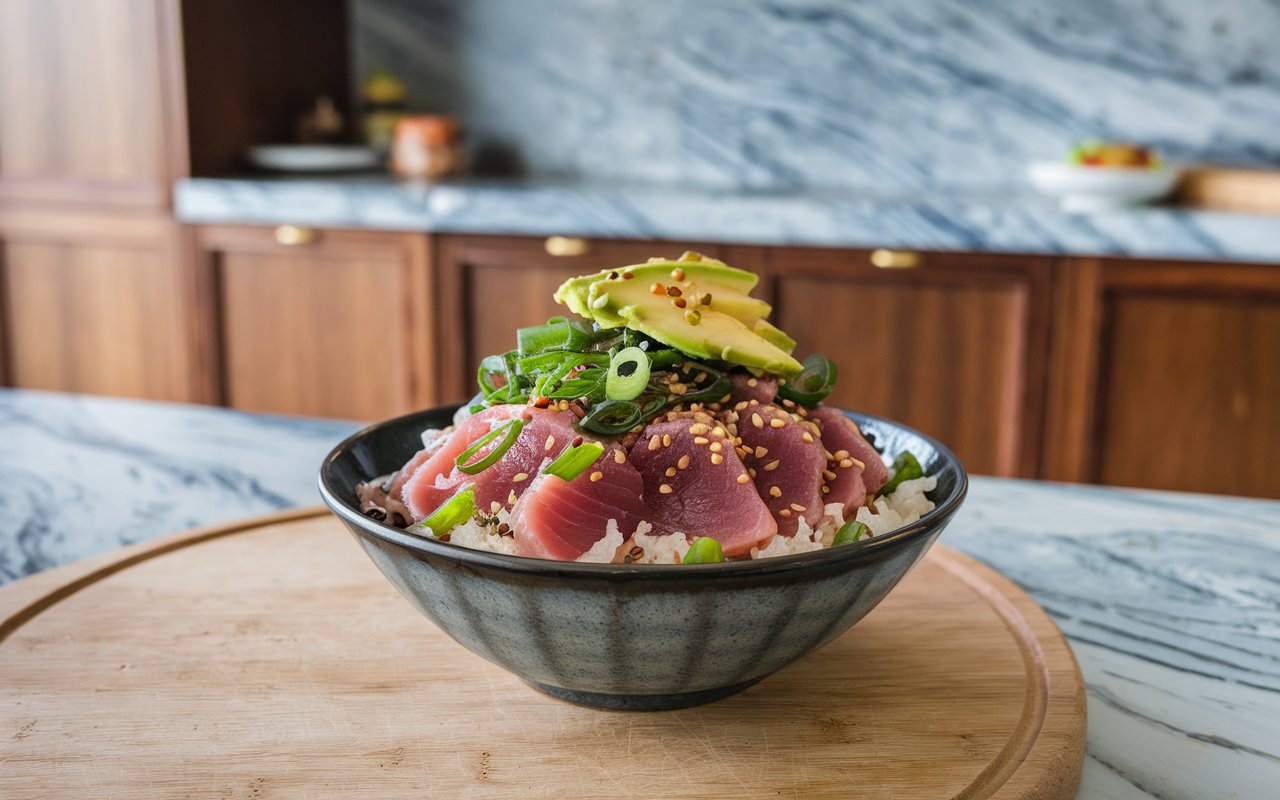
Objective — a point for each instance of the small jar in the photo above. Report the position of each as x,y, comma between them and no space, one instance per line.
427,147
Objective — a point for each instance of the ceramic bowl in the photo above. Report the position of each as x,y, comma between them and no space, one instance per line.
641,637
1081,188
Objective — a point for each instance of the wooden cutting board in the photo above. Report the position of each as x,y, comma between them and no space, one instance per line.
270,659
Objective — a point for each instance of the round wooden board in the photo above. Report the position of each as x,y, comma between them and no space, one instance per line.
270,659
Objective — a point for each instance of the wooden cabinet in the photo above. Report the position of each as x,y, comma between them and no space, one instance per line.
491,285
1166,375
90,102
90,303
325,323
953,345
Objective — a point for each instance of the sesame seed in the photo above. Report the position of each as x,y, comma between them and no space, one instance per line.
666,440
775,491
620,456
520,476
755,420
751,472
845,463
716,458
551,442
761,452
495,507
858,463
744,478
698,429
752,382
786,512
806,438
789,403
828,474
839,454
597,475
740,406
776,423
658,289
700,440
715,447
718,432
664,489
772,465
826,490
654,441
577,441
797,507
671,472
673,291
511,497
683,462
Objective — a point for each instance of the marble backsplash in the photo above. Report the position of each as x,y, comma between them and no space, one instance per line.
927,95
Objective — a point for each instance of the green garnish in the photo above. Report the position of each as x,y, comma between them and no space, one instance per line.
452,512
849,533
813,384
616,417
575,460
704,550
628,374
905,468
509,431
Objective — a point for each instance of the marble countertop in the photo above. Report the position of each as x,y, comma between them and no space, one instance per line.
1170,601
996,222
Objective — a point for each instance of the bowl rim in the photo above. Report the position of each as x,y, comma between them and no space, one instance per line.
827,556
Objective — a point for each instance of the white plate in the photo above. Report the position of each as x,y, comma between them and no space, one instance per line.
313,157
1080,188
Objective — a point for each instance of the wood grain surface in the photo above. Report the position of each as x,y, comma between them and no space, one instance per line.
270,659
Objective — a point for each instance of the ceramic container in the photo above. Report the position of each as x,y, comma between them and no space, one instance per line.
641,637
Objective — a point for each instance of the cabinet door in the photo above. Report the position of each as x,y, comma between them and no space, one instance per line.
322,323
1167,376
954,345
491,285
90,101
94,304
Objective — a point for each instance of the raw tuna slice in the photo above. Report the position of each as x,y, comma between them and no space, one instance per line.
698,486
562,520
385,492
545,433
859,470
787,457
748,387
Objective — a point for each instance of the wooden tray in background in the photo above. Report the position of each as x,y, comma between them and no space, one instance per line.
270,659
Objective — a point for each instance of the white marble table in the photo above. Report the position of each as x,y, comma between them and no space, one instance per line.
1171,601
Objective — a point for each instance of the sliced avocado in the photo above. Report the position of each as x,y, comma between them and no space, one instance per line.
774,336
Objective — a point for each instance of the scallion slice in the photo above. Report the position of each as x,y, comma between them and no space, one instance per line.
905,468
813,384
452,512
850,532
575,460
509,431
628,374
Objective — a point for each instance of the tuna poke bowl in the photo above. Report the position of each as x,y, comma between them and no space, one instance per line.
653,481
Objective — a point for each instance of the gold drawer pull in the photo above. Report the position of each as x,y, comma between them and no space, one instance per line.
566,246
294,235
896,259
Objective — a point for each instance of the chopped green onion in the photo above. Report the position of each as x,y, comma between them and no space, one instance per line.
813,384
575,460
509,430
704,550
850,532
557,334
628,374
615,417
905,468
452,512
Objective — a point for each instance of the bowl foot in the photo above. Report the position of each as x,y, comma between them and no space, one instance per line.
641,702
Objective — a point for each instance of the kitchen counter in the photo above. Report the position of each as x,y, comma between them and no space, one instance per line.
975,222
1171,601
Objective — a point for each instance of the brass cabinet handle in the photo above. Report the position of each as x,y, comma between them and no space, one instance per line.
295,235
896,259
566,246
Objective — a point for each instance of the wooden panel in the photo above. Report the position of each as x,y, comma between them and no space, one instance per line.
86,101
1169,374
270,659
954,348
491,285
338,328
94,304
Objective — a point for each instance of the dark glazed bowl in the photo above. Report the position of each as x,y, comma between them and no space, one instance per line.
642,637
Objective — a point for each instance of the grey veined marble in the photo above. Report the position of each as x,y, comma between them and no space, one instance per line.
925,95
